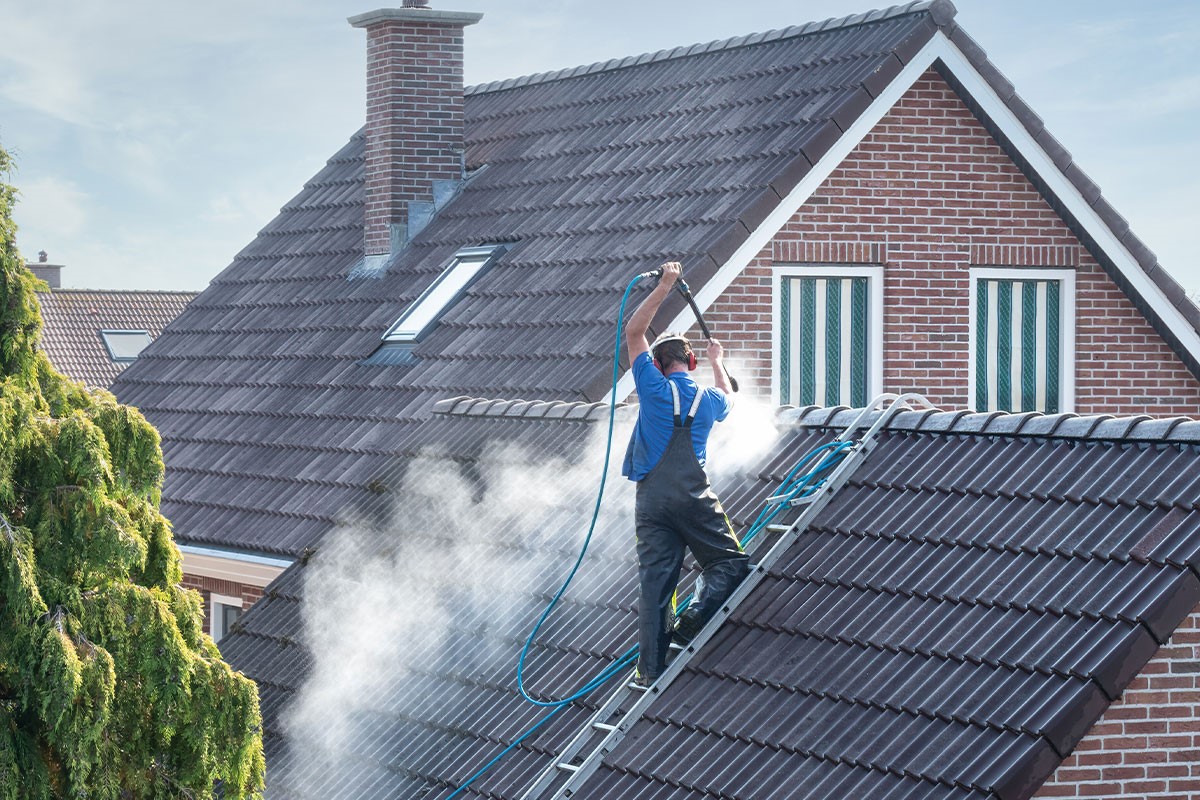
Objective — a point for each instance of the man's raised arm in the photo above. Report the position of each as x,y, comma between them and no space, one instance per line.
639,322
720,377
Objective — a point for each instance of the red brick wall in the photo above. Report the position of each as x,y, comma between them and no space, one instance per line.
207,587
414,119
929,193
1147,745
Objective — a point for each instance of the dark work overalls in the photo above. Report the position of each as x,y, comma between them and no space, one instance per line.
677,508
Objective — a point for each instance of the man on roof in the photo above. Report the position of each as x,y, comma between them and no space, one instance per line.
675,508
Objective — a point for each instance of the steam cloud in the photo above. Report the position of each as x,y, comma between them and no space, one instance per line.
384,605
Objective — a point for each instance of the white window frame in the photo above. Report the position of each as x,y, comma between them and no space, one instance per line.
106,332
215,600
875,355
424,312
1066,279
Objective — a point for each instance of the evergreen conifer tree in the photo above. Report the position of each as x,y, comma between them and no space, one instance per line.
108,686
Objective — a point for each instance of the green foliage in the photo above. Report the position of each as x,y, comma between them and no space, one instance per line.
108,686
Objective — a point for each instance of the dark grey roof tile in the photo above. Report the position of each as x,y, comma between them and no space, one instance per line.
1045,424
1141,253
1174,597
1086,186
1188,431
916,40
1113,660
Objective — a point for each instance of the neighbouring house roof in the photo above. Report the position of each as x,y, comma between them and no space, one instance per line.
74,322
271,421
949,626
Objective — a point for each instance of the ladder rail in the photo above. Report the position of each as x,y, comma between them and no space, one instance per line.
886,406
578,741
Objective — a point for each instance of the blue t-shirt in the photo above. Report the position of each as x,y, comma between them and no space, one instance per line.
656,416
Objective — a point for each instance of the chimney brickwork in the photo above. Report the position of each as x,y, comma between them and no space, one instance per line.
414,113
50,273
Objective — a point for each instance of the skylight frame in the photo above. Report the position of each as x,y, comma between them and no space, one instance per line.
441,295
120,355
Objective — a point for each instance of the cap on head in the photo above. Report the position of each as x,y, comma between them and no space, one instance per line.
663,338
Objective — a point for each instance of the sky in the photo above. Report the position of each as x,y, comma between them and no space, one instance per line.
153,140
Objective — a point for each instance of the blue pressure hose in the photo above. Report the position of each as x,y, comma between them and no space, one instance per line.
795,485
606,674
629,656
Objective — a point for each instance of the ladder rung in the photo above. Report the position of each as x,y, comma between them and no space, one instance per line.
778,528
603,726
567,767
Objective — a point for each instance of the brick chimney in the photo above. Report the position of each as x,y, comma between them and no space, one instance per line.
44,270
414,113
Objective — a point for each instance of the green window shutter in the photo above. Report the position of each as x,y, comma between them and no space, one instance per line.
785,342
824,357
1017,345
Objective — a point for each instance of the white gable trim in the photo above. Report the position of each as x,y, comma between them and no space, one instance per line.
938,48
982,92
799,195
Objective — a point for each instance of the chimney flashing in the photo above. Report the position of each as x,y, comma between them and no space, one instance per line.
432,15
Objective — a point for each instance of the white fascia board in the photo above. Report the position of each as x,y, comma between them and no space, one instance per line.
1058,183
799,195
228,565
939,48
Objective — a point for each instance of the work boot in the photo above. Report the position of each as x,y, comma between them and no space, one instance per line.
687,625
641,682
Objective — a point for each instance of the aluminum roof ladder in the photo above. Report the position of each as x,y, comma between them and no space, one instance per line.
612,722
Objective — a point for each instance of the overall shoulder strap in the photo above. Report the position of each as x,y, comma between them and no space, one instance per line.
695,406
675,400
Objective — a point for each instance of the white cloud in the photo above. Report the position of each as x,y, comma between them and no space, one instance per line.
40,76
51,203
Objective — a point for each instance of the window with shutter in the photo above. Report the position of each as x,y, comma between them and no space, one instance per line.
1022,348
829,335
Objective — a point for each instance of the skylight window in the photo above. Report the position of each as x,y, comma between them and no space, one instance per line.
124,346
468,264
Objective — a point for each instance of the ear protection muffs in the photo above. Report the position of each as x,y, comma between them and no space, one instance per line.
672,337
691,363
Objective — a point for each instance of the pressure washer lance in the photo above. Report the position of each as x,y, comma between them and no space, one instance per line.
682,287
